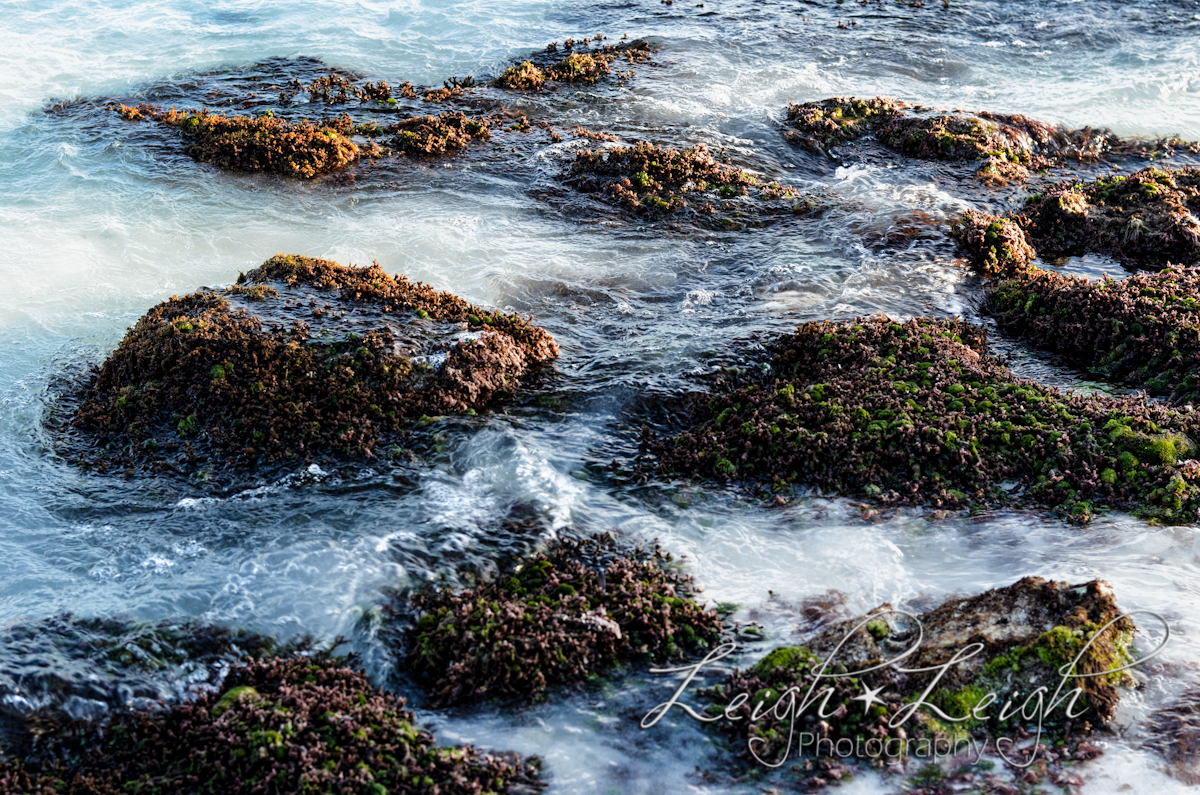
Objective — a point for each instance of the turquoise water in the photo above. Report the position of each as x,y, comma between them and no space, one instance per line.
98,228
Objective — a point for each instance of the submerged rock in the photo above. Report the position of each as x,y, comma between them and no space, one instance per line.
984,659
301,358
917,413
67,667
284,724
653,182
560,617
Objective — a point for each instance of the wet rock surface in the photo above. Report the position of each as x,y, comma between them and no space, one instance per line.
1008,642
282,724
918,413
654,182
1148,219
556,619
1011,147
301,359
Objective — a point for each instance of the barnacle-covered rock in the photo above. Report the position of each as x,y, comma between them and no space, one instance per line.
283,724
918,413
558,618
983,656
302,358
654,181
1148,219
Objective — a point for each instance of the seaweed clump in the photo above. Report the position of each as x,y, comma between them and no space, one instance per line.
1143,330
566,614
825,123
1147,219
998,247
258,143
586,66
202,381
281,725
654,181
917,413
431,136
1029,632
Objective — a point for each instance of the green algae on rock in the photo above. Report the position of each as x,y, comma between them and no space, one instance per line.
917,413
1147,219
258,143
1143,330
825,123
329,361
432,136
653,181
586,66
574,611
280,725
996,246
1026,635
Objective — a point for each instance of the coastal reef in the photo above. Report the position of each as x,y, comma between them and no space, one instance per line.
918,413
1024,637
1143,330
258,143
1009,146
1147,219
584,63
279,725
560,617
301,358
652,181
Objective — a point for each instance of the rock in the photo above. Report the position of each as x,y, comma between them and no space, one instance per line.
313,725
917,413
555,620
301,359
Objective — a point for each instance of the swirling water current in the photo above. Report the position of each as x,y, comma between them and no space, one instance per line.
96,230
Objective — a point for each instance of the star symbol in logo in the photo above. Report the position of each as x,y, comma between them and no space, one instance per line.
869,697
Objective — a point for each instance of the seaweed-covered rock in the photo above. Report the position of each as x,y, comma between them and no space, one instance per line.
1026,633
566,614
825,123
654,181
282,725
432,136
258,143
1143,330
998,247
584,64
303,357
69,667
917,413
1149,218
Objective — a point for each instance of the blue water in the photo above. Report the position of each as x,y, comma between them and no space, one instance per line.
98,228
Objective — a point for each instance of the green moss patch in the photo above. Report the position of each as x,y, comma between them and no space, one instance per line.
917,413
576,610
279,725
199,381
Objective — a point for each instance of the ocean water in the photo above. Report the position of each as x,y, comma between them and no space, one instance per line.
99,227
